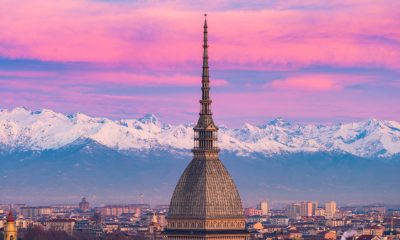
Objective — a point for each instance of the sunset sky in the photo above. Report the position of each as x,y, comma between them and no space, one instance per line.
303,60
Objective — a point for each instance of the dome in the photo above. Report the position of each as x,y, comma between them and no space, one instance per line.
205,191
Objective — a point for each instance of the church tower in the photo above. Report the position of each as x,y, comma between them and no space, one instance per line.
206,203
10,229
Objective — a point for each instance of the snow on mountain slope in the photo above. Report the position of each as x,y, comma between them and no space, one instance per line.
45,129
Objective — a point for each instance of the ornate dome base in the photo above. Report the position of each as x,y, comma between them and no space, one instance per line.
209,235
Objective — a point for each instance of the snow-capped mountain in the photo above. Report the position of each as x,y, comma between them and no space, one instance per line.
21,128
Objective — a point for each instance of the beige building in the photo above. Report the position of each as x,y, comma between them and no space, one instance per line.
330,209
320,212
23,223
336,222
162,221
32,212
263,206
118,210
374,230
306,209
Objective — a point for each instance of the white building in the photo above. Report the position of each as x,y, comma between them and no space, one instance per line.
279,220
66,225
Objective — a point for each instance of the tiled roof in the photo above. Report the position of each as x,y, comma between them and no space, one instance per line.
205,190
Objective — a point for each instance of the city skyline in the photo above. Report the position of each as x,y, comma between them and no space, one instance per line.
306,220
306,61
76,177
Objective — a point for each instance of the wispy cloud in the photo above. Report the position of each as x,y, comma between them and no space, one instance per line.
318,82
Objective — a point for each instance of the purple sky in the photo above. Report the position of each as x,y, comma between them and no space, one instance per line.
308,60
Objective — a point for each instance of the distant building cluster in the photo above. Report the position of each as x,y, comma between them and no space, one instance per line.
306,220
130,221
310,221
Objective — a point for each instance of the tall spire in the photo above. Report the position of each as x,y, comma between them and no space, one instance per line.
205,132
206,203
205,82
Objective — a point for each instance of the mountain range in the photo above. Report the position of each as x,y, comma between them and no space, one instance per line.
49,157
21,128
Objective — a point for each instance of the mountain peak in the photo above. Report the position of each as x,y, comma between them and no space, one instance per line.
79,117
17,114
249,127
18,110
43,111
280,122
149,118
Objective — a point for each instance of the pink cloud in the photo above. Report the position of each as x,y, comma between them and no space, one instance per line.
318,82
25,74
115,106
231,108
323,107
166,36
306,83
133,79
29,86
86,80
